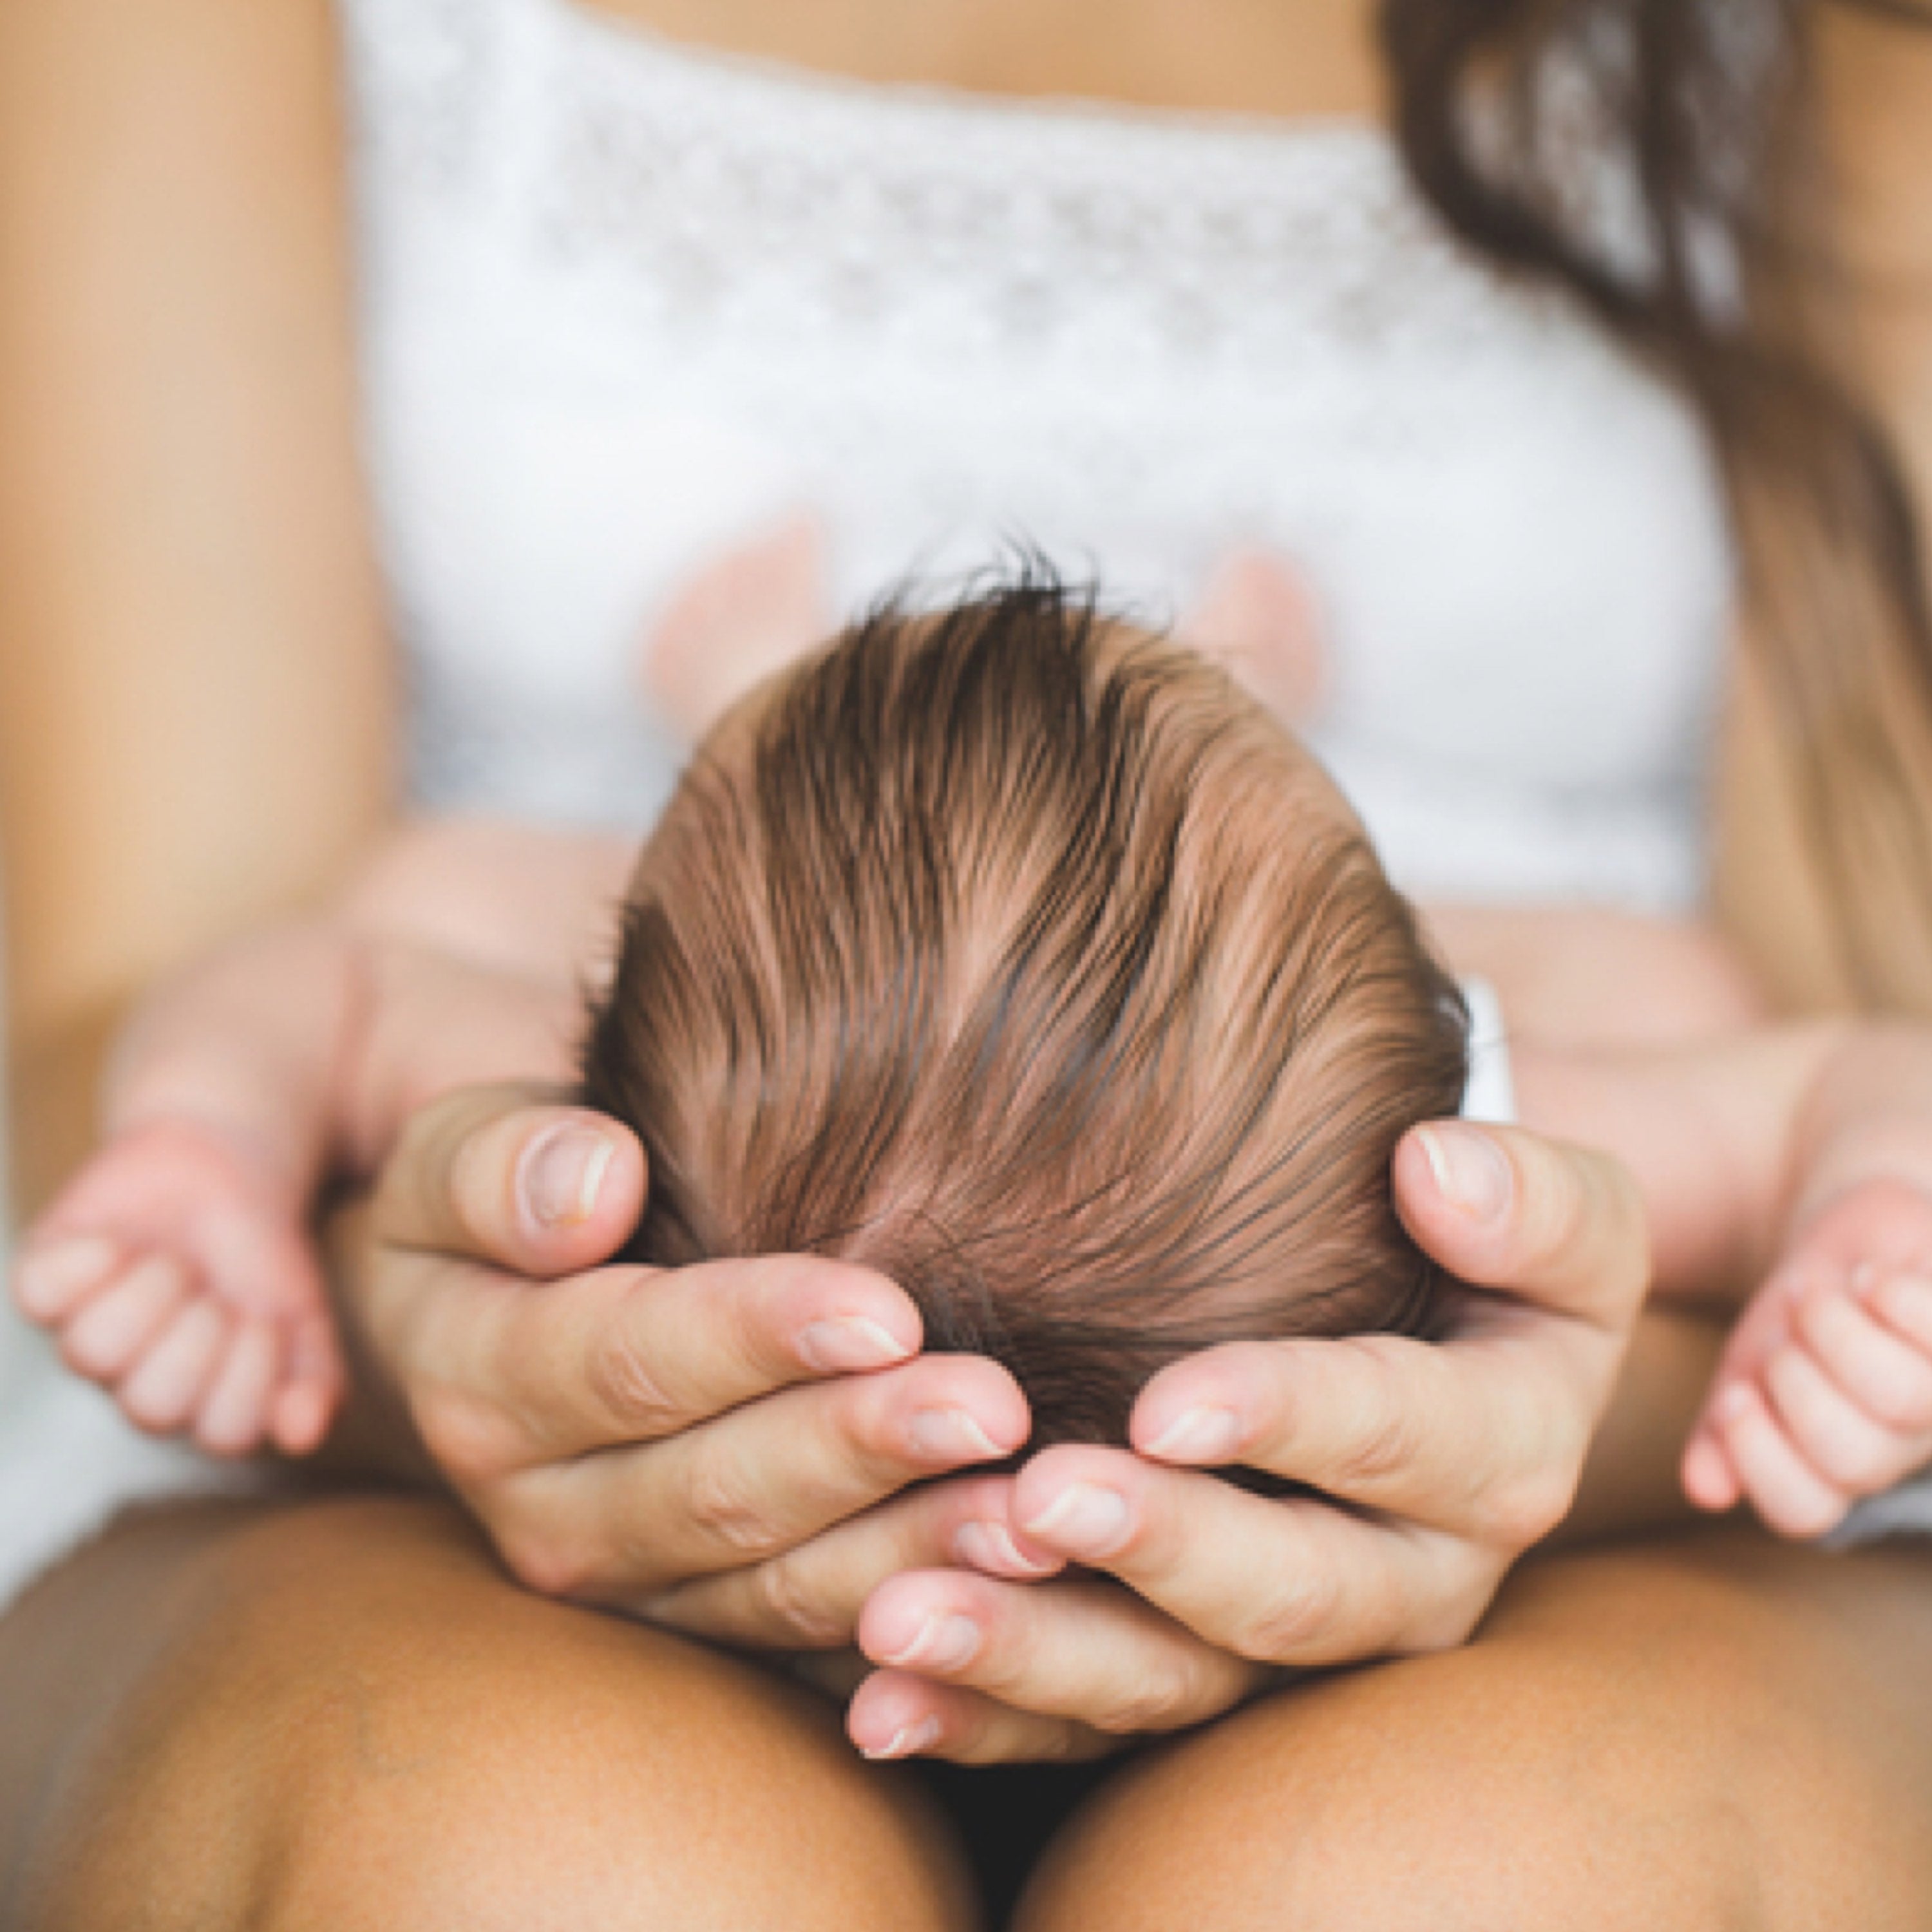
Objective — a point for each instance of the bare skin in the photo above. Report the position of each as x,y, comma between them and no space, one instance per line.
179,160
344,1715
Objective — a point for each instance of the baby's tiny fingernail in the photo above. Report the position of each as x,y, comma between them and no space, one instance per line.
1086,1518
1208,1435
944,1641
945,1435
904,1742
982,1545
1470,1169
850,1342
562,1173
50,1280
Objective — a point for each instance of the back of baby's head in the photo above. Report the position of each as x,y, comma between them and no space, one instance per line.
1018,956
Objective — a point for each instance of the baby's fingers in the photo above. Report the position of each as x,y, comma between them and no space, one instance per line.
233,1416
53,1277
1793,1498
312,1386
1903,1302
120,1322
1889,1377
165,1387
1855,1455
1710,1478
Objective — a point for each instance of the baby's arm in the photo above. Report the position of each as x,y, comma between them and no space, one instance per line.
176,1266
1801,1159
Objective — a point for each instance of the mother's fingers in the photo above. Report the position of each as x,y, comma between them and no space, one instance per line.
1553,1225
507,1175
894,1714
1082,1650
505,1373
753,1483
1482,1433
1467,1439
810,1597
1275,1580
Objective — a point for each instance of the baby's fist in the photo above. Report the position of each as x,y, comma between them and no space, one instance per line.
176,1271
1824,1395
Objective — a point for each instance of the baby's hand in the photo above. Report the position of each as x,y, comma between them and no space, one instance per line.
1824,1395
176,1270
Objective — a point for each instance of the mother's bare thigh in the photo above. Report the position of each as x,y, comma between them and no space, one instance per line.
341,1714
1717,1733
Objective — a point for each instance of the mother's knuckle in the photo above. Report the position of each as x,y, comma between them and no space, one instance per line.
787,1603
1155,1701
468,1440
1385,1442
542,1559
718,1502
1525,1508
1294,1616
625,1386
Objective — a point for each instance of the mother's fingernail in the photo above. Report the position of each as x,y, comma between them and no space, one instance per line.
943,1641
844,1342
946,1434
562,1173
1086,1518
904,1741
989,1546
1470,1169
1206,1435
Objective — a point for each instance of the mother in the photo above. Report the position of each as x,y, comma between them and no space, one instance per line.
660,342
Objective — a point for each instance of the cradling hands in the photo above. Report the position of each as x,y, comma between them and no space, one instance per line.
1438,1464
743,1450
626,1434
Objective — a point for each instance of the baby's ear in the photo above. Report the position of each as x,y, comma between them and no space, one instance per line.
1257,619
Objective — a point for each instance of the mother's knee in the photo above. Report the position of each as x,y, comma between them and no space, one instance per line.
1648,1763
373,1728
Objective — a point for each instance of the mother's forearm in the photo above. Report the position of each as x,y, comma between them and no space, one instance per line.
1630,1482
373,1434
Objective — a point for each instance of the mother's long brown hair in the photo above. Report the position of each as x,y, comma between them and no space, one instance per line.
1511,113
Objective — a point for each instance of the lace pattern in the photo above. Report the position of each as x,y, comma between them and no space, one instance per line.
603,270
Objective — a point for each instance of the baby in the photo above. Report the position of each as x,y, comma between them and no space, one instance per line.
1009,950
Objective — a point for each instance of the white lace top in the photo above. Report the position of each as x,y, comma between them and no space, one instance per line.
649,327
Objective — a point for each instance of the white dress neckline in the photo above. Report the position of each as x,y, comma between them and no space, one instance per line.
627,37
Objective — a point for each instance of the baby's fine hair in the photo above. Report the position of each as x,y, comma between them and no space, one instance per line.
1015,953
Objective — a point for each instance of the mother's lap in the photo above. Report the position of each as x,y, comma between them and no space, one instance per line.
339,1714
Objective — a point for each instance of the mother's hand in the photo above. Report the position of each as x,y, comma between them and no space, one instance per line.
619,1431
1450,1461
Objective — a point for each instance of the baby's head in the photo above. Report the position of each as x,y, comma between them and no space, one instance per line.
1018,955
